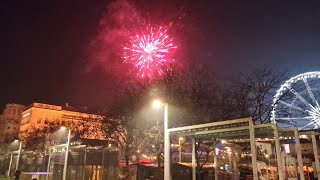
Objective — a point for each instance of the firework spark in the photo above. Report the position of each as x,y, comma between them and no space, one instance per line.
150,52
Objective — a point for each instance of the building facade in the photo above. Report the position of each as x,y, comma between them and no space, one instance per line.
10,122
38,115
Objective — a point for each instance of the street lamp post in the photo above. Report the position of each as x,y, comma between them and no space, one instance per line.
167,170
64,176
167,173
19,153
11,157
9,169
48,167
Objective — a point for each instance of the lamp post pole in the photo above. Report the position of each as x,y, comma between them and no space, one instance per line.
64,176
9,169
167,173
48,167
19,153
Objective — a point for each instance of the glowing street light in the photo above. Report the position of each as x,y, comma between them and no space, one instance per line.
18,158
167,171
156,103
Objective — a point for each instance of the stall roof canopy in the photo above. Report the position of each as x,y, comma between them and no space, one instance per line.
237,129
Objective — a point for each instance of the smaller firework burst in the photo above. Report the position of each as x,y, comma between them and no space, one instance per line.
149,51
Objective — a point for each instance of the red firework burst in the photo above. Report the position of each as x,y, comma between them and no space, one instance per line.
150,52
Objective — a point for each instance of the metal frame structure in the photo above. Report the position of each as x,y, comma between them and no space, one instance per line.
298,149
245,127
252,133
313,135
274,128
215,129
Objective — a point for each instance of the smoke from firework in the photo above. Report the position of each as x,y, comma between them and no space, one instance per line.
105,49
105,72
125,37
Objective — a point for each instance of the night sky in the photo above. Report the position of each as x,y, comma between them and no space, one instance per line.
45,56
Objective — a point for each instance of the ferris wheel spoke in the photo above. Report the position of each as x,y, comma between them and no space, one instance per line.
312,122
303,113
294,118
310,91
300,97
292,106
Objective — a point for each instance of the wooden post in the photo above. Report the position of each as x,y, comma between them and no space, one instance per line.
278,152
316,155
299,154
253,151
193,159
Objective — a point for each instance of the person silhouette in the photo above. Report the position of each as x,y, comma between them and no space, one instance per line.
17,175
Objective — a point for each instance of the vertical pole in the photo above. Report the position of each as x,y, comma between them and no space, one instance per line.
64,176
316,155
167,173
102,165
295,167
253,150
84,163
234,163
215,161
48,168
268,166
278,152
9,169
284,163
180,148
44,159
299,155
19,152
193,158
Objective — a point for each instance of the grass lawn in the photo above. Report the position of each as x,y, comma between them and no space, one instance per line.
3,177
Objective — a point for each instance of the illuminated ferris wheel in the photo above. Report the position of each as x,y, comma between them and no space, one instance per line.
296,103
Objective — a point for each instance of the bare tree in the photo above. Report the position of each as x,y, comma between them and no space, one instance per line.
189,92
38,137
250,95
194,98
150,141
203,150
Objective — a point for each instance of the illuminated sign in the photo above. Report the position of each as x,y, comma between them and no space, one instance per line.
217,150
286,148
26,115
